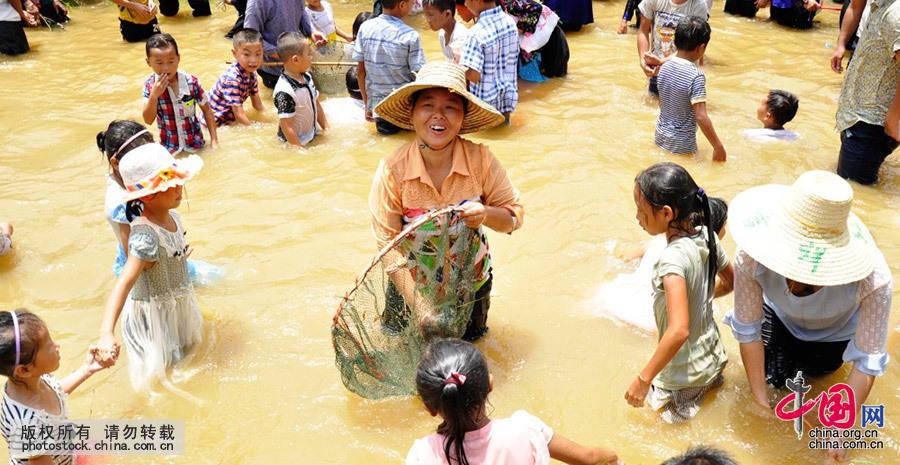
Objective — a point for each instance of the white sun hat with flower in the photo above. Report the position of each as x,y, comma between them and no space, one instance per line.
150,168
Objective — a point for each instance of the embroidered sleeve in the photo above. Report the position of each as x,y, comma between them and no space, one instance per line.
867,347
143,243
746,318
285,105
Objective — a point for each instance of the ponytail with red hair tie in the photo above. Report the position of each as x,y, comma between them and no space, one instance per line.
456,378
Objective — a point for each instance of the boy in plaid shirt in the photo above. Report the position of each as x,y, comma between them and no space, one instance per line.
172,96
491,54
238,82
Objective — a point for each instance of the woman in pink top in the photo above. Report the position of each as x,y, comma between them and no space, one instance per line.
453,381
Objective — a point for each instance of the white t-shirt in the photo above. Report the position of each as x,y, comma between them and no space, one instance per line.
344,111
769,135
8,13
665,16
297,100
323,21
457,40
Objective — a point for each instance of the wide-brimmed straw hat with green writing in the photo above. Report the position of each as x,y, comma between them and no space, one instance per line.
804,232
397,107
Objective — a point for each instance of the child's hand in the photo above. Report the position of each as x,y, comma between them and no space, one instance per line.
762,4
92,363
623,27
473,214
637,392
162,81
811,5
653,60
318,38
107,349
28,18
190,249
142,11
369,116
719,153
6,228
837,59
648,69
214,144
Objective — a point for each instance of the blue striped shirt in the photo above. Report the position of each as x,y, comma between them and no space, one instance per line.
392,52
681,85
492,49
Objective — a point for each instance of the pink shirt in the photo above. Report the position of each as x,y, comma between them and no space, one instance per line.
521,439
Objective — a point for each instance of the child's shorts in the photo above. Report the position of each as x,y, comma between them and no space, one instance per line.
681,405
133,32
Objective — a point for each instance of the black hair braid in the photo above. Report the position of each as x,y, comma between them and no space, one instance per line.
133,209
710,238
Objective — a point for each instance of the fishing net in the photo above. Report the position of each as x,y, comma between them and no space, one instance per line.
331,79
420,286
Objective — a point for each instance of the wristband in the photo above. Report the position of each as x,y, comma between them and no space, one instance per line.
642,379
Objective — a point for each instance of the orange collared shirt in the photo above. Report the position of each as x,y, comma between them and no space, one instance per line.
403,187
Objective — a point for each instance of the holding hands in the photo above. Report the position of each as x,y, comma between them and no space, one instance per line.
106,351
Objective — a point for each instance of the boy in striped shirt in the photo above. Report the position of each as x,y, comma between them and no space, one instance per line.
682,93
238,82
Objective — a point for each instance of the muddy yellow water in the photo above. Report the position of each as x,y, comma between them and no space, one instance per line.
292,230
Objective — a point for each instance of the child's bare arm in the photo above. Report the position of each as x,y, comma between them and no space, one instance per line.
257,102
321,118
107,346
725,283
210,125
636,252
472,75
42,460
643,45
149,113
90,366
707,127
240,116
676,334
567,451
287,128
361,80
342,34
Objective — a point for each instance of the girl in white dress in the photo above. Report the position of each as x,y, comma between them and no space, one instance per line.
160,315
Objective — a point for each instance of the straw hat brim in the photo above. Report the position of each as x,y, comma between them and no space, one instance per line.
188,166
397,108
762,227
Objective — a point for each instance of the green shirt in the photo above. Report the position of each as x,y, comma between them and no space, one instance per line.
871,80
702,357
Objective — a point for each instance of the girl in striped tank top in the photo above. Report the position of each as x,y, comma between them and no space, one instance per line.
32,397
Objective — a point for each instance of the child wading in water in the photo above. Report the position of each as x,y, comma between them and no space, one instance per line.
160,314
453,381
690,357
32,396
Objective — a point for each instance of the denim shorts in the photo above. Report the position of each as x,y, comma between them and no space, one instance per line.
864,147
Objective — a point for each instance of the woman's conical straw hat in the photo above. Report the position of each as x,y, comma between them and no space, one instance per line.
397,107
804,232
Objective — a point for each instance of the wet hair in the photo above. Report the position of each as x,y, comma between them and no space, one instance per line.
291,43
718,213
452,379
352,78
110,141
159,41
246,36
783,105
415,98
691,32
31,329
361,18
669,184
701,455
442,5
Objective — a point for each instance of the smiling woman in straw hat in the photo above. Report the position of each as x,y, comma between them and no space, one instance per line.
811,290
440,169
